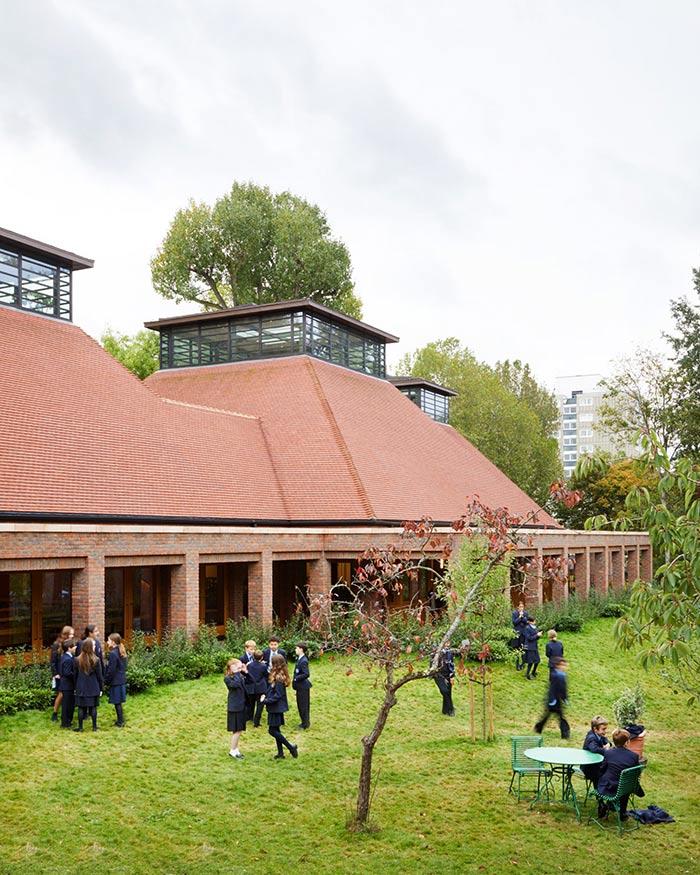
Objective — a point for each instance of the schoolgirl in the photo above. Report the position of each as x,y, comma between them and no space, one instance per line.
256,681
115,676
234,678
67,683
275,700
553,649
93,634
89,683
56,657
532,653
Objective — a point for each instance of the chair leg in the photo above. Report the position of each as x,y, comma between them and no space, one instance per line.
512,778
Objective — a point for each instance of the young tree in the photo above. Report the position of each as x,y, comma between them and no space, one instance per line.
254,247
499,423
137,352
361,624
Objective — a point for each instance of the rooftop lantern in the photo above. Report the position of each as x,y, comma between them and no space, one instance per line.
265,331
432,398
37,277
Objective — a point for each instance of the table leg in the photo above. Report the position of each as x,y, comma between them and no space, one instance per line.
569,794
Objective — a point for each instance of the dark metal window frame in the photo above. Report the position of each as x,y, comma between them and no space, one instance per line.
303,329
62,286
433,404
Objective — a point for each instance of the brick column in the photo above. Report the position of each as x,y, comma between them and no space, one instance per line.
616,571
184,594
260,589
560,585
532,595
582,573
318,579
239,582
599,571
633,564
88,595
645,564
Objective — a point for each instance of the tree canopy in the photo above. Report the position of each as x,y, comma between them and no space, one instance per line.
254,247
686,345
137,352
498,421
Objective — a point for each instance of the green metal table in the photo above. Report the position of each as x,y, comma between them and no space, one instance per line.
563,760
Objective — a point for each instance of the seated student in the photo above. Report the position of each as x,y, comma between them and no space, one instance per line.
595,742
273,649
256,686
615,760
553,648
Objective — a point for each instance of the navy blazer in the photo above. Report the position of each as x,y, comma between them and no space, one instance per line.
267,652
56,656
276,698
98,648
531,638
256,679
116,668
236,691
67,672
519,623
595,744
553,650
247,657
301,679
557,693
89,684
616,760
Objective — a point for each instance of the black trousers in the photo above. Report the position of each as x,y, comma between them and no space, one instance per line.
304,706
557,709
67,708
250,702
445,687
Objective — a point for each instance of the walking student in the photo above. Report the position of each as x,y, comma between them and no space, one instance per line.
115,676
444,679
532,652
67,683
256,680
276,703
556,698
301,684
89,683
236,709
553,648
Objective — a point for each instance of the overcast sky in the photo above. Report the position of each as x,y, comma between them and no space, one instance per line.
523,175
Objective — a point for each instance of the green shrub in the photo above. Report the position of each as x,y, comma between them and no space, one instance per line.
24,698
139,678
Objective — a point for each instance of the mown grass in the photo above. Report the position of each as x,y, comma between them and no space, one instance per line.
162,796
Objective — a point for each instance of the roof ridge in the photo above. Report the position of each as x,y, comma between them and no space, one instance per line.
340,441
278,479
208,409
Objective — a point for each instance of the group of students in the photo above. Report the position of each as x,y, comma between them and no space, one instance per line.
526,643
259,679
617,757
79,676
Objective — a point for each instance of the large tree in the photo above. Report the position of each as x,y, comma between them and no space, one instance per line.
502,425
517,377
686,345
137,352
254,247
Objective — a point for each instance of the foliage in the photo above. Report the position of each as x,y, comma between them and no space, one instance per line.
629,708
138,352
501,424
254,247
517,377
604,486
663,620
573,614
686,345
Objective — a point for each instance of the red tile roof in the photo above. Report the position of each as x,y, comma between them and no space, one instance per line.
292,439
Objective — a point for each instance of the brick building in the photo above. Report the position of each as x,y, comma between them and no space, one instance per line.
240,479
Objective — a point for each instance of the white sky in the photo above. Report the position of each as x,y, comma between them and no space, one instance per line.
523,175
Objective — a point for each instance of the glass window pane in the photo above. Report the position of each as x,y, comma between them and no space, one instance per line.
276,335
339,345
356,352
214,343
9,278
55,604
319,338
38,282
114,601
185,347
15,609
213,595
164,349
144,596
298,332
245,339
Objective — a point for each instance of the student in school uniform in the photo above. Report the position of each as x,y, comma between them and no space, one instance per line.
56,657
444,679
276,703
556,699
89,683
273,649
595,742
532,652
553,648
519,618
249,652
235,706
615,760
301,684
93,633
67,683
115,676
256,678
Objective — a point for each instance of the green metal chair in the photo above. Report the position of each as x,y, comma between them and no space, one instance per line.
524,767
590,787
627,786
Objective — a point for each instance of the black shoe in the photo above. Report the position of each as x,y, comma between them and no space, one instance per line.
120,725
294,751
301,726
518,667
94,729
78,729
624,817
256,726
278,756
54,717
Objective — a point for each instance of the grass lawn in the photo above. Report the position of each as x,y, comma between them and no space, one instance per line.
162,795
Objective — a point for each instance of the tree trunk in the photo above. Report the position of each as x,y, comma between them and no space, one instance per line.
364,789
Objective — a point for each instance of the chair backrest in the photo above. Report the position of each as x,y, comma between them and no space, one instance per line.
519,744
629,778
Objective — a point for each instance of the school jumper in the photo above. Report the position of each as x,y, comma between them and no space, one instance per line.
615,761
554,704
87,692
301,683
532,653
594,744
268,654
115,677
276,704
553,650
236,702
256,685
446,671
66,685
